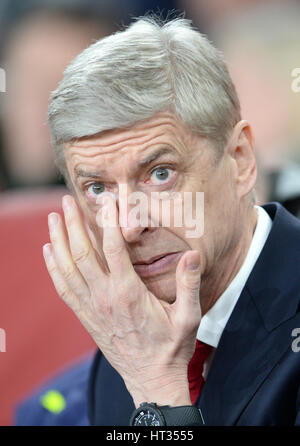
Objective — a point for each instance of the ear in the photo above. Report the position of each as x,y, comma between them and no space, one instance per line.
240,149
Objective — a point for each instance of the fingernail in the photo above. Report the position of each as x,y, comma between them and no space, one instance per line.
66,203
193,263
47,250
192,266
52,220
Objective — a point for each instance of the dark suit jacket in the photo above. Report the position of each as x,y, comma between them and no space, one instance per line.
254,378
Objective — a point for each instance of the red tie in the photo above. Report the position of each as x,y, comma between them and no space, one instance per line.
195,369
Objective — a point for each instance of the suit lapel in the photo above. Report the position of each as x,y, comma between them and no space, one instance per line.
246,355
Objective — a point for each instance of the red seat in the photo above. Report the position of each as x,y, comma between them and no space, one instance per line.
42,333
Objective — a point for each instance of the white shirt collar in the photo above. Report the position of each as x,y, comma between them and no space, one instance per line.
213,322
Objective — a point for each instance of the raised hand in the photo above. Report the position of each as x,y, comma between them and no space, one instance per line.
148,341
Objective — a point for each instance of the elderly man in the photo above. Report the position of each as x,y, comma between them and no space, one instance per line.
151,112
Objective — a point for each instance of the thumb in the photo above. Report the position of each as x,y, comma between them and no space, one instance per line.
188,279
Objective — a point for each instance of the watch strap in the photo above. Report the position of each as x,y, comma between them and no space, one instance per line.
182,415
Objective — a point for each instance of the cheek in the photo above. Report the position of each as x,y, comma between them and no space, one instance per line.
164,288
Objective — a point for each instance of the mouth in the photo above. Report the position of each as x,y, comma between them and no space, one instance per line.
156,265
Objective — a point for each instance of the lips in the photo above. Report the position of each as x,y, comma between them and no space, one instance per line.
152,259
156,265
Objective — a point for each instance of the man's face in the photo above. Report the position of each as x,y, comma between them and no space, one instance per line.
158,155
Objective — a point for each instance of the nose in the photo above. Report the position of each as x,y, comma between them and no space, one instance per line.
133,220
131,234
133,215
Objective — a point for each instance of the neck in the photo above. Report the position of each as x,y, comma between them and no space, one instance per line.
219,278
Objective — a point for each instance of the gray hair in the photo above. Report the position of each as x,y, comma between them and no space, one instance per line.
150,67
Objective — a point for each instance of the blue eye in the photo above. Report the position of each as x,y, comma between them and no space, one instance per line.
161,174
96,188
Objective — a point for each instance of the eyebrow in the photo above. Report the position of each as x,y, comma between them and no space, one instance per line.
85,174
144,162
153,156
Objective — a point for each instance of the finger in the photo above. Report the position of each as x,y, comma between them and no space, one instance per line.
63,258
96,241
188,279
81,247
114,246
58,280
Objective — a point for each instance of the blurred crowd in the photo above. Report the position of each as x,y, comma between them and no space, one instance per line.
260,40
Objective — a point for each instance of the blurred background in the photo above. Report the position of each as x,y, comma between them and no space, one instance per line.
38,38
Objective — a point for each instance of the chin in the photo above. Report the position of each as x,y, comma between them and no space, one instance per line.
164,288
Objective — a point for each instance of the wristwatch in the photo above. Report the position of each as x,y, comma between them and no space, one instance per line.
150,414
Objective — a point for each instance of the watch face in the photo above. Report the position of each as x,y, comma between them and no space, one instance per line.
148,417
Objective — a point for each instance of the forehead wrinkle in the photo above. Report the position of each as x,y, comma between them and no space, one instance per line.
87,149
114,146
100,142
92,151
116,137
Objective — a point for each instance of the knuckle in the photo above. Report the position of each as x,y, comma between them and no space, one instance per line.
68,272
81,256
64,293
52,268
190,286
191,283
113,250
70,218
54,237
